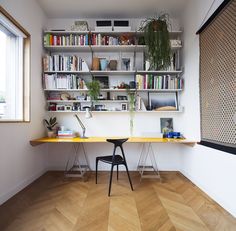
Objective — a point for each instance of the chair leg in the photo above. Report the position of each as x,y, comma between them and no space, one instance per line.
129,176
117,170
96,170
109,192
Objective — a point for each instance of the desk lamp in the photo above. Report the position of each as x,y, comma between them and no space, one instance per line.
87,116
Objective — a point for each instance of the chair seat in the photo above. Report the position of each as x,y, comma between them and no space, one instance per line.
108,159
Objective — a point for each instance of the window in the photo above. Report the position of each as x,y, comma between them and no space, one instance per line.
14,71
217,79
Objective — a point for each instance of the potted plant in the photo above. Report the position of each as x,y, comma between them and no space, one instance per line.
50,124
157,39
93,90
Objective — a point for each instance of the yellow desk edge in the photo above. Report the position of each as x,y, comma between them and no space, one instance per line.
103,140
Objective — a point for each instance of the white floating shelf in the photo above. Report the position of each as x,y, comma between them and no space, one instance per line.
85,101
116,90
159,72
150,112
85,48
113,72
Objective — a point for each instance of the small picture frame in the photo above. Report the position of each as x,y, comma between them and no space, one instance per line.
127,63
103,80
122,97
60,107
124,107
166,125
163,101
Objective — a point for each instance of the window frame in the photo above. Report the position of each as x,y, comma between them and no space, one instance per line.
26,81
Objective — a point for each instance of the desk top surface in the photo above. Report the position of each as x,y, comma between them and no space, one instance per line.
103,140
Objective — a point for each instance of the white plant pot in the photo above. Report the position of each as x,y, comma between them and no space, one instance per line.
51,134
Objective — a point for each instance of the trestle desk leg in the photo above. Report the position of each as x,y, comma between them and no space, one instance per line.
77,164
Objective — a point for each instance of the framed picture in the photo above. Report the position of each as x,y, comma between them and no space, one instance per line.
103,80
166,125
163,101
127,63
124,107
122,97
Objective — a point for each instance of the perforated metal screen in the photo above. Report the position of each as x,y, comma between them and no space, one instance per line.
218,77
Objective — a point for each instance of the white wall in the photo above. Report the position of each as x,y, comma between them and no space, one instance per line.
20,163
213,171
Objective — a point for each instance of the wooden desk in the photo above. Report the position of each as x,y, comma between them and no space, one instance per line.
147,150
103,140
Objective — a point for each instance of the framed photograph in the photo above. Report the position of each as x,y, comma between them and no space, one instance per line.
122,97
124,107
163,101
127,63
103,80
166,125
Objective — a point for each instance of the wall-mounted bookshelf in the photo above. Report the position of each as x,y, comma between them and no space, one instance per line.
89,44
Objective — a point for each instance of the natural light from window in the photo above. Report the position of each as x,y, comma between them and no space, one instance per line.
3,40
14,70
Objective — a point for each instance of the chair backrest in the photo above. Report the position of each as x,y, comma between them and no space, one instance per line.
118,143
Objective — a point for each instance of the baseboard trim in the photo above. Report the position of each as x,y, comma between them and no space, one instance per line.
6,196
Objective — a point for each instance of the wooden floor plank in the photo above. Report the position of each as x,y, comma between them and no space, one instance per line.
54,203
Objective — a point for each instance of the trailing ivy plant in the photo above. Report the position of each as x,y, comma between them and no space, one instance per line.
156,36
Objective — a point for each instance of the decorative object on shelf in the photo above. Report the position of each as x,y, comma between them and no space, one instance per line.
65,96
162,101
103,64
95,64
126,63
166,126
80,26
103,81
50,124
124,107
126,39
157,39
113,65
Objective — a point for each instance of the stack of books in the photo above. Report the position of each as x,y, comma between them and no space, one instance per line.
65,134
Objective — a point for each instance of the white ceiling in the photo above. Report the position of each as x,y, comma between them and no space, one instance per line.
109,8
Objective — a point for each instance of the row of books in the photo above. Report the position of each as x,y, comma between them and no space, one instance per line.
57,81
150,81
66,40
84,40
60,62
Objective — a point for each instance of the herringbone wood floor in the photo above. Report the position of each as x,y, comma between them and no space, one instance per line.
53,203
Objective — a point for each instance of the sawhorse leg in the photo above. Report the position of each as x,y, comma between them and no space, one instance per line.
143,168
77,165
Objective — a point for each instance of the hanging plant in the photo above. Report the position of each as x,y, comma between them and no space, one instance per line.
157,39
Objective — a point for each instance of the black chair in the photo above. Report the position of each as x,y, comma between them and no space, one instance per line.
114,160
